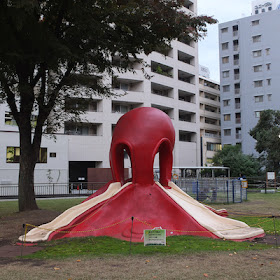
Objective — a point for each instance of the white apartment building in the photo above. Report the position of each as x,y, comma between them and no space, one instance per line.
210,117
173,88
249,68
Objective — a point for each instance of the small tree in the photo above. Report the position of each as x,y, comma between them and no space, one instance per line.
267,133
232,157
49,49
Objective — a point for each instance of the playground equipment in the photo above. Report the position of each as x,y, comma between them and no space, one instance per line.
124,209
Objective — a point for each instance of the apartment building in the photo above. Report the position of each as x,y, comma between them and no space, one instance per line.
173,88
249,69
210,117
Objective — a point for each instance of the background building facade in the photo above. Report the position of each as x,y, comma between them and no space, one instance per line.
249,68
210,117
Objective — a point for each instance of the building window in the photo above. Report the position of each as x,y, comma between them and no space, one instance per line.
224,30
120,108
255,22
227,117
268,66
257,68
214,147
235,30
237,118
235,45
269,8
236,59
237,103
227,132
268,82
257,114
258,83
224,46
263,10
13,155
259,99
257,38
267,51
236,74
53,155
9,119
257,53
237,88
72,128
226,88
226,102
269,97
225,59
80,104
256,12
225,74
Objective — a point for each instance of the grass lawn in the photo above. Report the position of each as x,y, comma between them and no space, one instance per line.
101,246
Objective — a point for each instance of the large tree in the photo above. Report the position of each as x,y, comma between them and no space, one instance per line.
267,134
232,157
49,48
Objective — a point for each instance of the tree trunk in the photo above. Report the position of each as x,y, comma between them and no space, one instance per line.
26,193
28,158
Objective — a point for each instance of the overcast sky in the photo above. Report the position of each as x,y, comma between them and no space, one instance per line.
223,11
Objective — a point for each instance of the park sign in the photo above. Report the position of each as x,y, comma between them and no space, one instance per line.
154,237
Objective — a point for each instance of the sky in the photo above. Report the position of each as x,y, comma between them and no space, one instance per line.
223,11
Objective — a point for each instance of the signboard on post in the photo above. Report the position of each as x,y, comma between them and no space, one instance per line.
154,237
270,175
244,184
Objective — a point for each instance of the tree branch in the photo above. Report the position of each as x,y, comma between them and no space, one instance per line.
10,97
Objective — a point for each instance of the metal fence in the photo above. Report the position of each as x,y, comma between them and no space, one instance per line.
213,190
54,190
206,190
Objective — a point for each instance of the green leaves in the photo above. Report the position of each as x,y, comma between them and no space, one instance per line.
266,133
231,156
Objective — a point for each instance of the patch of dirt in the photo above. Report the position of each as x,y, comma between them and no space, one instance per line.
269,239
11,227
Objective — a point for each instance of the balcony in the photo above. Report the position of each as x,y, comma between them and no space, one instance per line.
186,58
162,90
167,110
186,77
186,96
186,116
162,69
